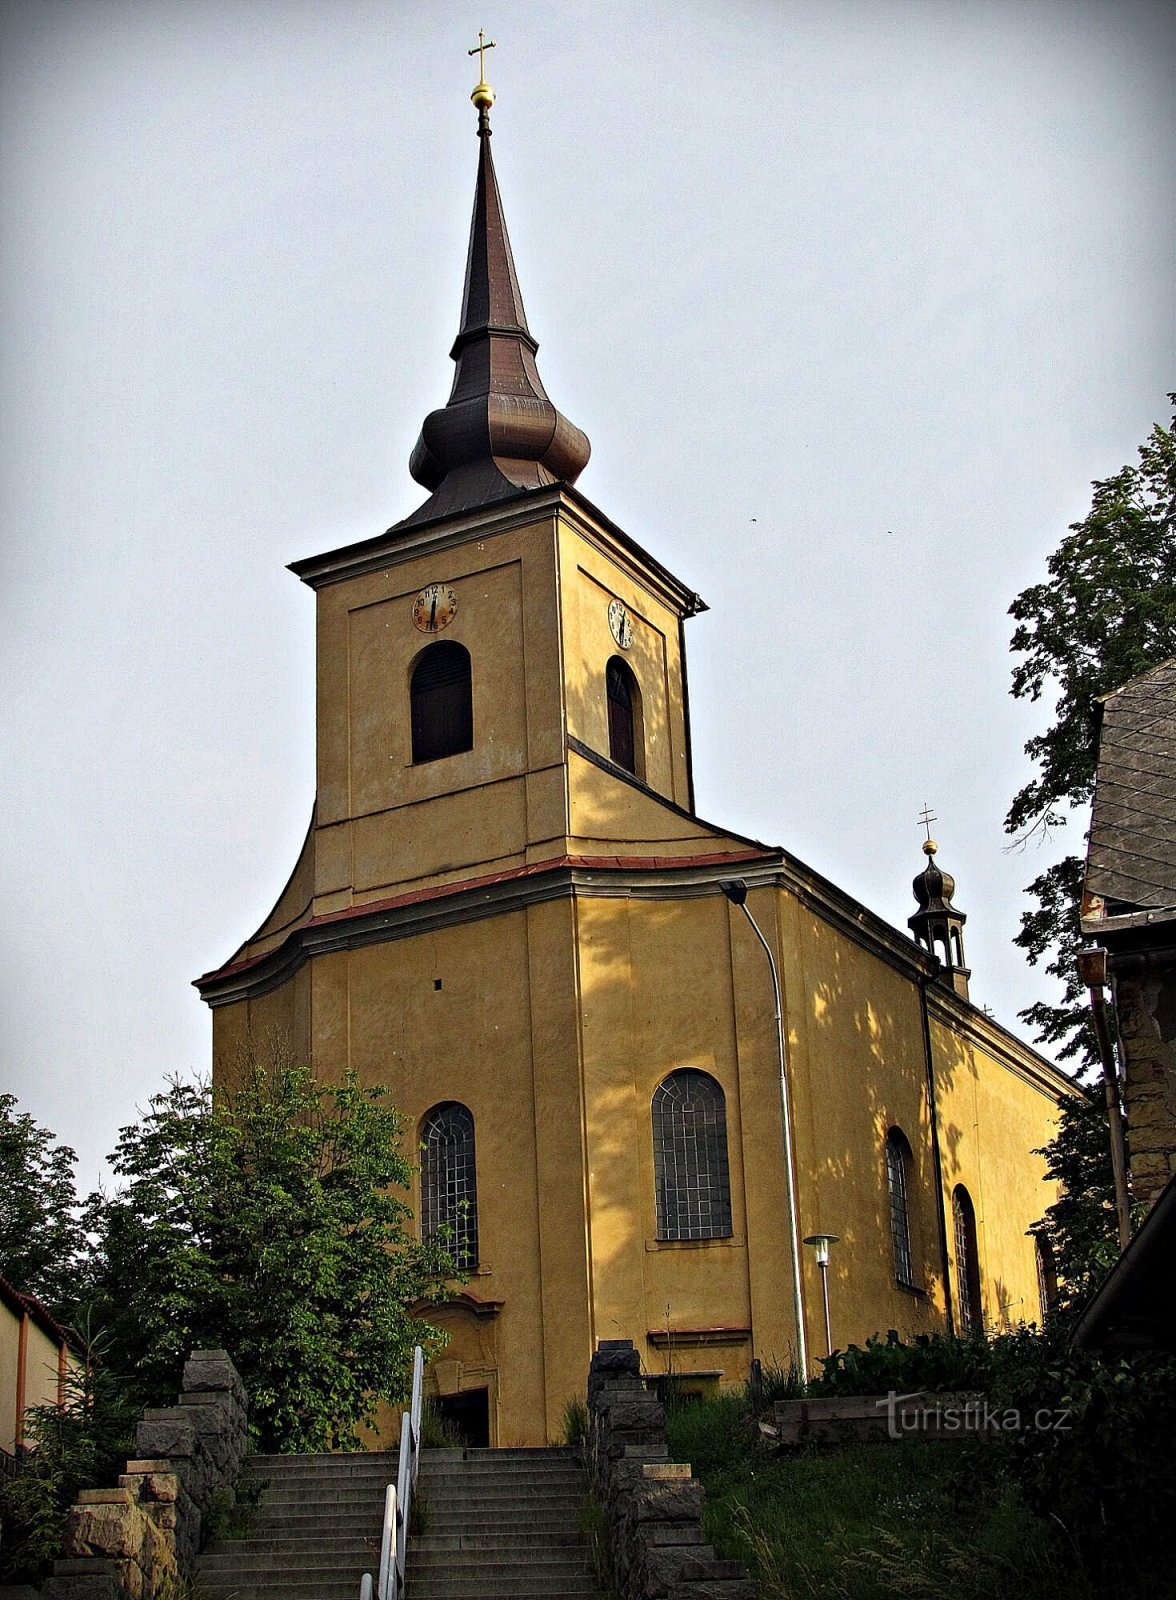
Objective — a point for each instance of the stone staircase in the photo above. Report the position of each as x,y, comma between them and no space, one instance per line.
495,1524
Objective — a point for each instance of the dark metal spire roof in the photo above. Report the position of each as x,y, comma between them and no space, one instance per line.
499,432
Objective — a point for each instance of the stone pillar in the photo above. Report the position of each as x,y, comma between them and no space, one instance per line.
131,1540
657,1548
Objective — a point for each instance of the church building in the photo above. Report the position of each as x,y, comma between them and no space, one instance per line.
642,1059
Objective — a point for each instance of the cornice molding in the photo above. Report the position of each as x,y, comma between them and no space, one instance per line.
405,543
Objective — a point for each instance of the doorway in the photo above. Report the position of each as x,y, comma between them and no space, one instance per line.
469,1412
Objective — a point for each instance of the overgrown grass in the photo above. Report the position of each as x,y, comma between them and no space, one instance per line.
438,1432
575,1423
868,1521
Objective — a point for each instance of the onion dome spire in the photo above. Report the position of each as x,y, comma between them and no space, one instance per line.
937,924
498,432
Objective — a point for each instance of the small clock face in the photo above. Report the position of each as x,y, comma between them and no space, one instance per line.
620,624
434,608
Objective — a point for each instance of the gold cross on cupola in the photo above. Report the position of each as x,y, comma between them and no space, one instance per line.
926,818
483,95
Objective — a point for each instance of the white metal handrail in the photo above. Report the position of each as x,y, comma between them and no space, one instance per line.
398,1498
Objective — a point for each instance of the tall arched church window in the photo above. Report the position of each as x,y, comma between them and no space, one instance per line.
442,703
898,1175
691,1179
1047,1274
624,717
967,1255
449,1183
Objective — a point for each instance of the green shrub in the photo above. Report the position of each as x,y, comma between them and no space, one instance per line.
82,1445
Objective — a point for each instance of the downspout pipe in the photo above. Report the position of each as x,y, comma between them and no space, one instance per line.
736,892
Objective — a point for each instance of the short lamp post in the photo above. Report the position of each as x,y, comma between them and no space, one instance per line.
821,1243
736,891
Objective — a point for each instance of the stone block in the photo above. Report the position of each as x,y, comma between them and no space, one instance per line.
714,1589
112,1528
105,1497
663,1471
92,1583
659,1568
168,1434
673,1502
672,1533
151,1485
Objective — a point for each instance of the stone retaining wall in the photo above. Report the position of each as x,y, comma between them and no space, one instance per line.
653,1506
133,1540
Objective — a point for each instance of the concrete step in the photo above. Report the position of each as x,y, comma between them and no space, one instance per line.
491,1589
547,1539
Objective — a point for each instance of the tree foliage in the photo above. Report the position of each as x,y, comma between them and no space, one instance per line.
1080,1229
1106,614
40,1237
270,1222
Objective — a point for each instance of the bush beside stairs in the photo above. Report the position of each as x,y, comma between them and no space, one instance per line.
494,1524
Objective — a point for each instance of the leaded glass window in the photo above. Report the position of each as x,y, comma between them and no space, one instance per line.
967,1262
691,1178
449,1183
898,1165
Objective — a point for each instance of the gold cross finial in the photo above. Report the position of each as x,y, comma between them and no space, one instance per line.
483,95
927,818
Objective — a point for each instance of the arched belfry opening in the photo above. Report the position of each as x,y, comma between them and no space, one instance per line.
626,734
441,702
937,924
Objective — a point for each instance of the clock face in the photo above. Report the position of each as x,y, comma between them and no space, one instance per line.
434,608
620,623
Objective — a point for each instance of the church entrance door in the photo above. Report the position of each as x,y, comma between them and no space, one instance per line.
470,1414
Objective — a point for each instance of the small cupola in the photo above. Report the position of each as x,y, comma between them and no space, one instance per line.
937,924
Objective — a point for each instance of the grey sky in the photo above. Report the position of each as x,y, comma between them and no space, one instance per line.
852,299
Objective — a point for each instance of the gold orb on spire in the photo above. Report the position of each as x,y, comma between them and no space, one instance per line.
930,847
483,95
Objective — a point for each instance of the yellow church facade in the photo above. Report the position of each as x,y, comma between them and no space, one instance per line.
508,912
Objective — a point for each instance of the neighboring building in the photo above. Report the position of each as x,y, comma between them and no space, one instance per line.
508,911
36,1356
1129,907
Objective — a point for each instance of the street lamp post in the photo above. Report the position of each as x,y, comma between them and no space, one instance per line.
736,891
821,1242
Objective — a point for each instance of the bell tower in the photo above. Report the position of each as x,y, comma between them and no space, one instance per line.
937,924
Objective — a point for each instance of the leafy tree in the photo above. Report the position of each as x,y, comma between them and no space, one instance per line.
40,1237
268,1222
1080,1229
1106,614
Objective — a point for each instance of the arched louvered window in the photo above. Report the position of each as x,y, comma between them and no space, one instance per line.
967,1255
624,718
691,1179
449,1183
898,1175
442,702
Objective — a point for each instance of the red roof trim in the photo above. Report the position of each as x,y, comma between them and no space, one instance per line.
535,869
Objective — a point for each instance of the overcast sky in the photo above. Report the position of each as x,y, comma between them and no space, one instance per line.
854,298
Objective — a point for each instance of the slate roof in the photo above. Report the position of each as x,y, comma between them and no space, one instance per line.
1131,858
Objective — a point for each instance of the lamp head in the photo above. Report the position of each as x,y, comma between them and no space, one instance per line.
821,1243
735,889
